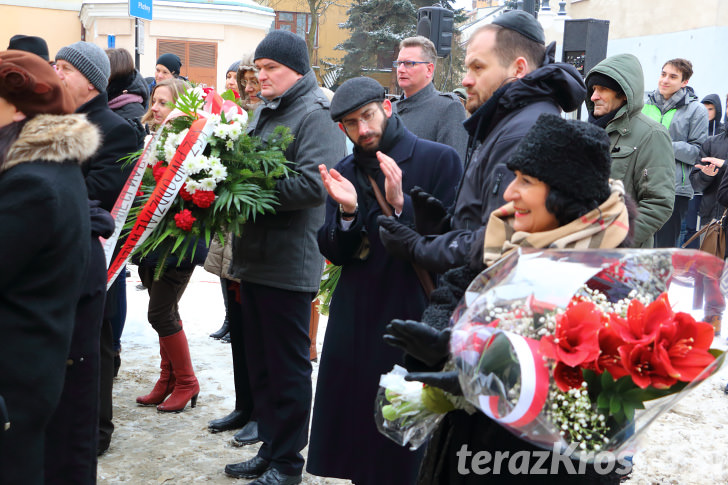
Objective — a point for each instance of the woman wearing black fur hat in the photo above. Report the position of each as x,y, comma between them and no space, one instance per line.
561,198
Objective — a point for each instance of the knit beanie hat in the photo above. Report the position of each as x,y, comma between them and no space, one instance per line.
599,79
171,62
233,67
522,22
29,43
31,85
90,60
284,47
568,155
353,94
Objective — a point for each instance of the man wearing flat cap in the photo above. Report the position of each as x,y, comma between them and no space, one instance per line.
374,287
641,147
511,80
278,262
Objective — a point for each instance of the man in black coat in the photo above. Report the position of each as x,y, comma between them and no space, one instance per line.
511,80
345,442
84,69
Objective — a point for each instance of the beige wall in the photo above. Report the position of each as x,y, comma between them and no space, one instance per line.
41,22
632,18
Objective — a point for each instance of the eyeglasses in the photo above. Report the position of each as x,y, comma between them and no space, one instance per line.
407,64
353,123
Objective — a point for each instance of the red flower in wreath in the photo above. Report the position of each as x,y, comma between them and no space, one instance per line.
184,220
158,170
184,194
203,198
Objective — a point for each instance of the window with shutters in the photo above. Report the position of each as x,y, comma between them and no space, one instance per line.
199,59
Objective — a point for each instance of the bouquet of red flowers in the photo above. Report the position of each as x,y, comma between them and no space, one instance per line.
566,347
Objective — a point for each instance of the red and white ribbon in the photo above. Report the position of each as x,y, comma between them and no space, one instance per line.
164,193
534,385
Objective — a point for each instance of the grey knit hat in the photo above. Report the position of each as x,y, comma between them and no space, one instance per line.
90,60
284,47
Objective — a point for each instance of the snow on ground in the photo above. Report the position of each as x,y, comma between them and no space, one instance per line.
687,445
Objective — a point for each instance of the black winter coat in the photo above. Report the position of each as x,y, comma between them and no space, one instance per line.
715,189
344,441
496,129
106,172
124,94
44,216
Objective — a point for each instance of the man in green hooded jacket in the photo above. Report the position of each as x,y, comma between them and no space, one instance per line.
641,148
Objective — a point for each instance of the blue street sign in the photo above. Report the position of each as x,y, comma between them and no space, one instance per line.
141,9
110,41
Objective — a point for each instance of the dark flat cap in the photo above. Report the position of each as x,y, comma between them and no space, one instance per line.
523,23
354,94
29,43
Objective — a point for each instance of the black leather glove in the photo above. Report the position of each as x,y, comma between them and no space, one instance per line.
447,381
4,418
419,340
397,238
431,217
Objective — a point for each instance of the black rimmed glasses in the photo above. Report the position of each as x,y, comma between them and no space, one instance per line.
407,64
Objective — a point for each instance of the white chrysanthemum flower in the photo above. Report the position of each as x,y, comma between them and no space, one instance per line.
208,184
214,161
220,131
192,165
241,119
204,163
229,144
192,186
234,132
218,172
198,92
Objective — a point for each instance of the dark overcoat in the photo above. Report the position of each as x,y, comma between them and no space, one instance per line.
44,217
345,442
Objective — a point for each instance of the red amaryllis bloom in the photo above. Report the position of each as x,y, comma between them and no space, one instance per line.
184,220
609,358
575,340
184,194
646,367
682,346
643,323
203,198
158,170
567,377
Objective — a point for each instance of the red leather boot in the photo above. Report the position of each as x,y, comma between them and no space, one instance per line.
186,387
165,384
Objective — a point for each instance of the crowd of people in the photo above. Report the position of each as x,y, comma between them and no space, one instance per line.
412,197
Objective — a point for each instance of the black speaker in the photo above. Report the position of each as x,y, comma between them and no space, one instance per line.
585,43
436,24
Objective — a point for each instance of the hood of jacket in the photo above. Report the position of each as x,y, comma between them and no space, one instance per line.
131,84
54,138
714,99
626,70
559,82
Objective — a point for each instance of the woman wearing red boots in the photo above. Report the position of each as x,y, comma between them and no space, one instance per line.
177,377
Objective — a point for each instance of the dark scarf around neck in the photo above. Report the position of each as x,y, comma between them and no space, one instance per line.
366,162
603,120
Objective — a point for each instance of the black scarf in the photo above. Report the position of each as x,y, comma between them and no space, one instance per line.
366,162
603,120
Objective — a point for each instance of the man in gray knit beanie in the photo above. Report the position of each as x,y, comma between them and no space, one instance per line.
90,60
84,69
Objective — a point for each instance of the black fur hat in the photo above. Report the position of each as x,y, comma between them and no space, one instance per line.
569,155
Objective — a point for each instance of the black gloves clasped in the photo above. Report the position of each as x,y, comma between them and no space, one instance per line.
447,381
419,340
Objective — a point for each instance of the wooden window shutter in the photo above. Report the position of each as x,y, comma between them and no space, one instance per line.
199,59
